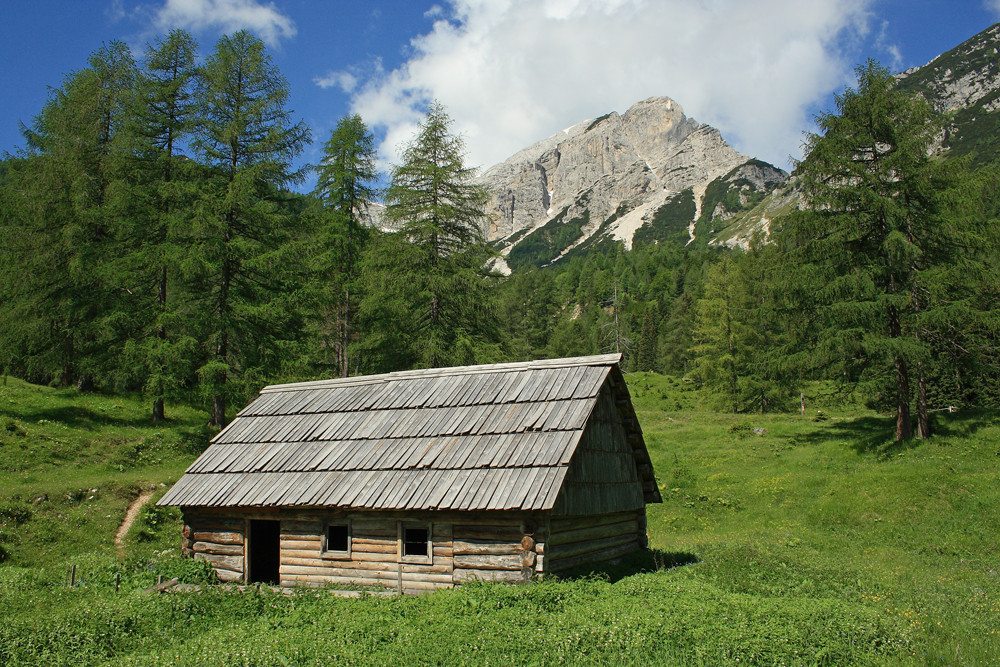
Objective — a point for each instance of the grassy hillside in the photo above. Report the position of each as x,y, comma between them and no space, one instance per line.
782,539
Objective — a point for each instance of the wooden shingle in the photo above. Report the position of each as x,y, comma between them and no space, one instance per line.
492,437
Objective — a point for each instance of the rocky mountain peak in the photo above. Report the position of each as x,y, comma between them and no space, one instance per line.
606,175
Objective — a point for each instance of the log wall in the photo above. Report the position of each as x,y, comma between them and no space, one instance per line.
217,538
576,540
491,546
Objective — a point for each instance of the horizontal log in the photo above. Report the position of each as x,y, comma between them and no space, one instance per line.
303,545
589,546
528,558
343,572
593,557
345,582
512,562
227,576
300,553
218,549
630,527
217,537
370,548
484,547
364,540
435,568
528,543
307,527
561,524
505,533
339,565
462,575
356,573
234,563
540,548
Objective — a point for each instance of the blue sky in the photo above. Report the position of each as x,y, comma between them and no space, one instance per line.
512,72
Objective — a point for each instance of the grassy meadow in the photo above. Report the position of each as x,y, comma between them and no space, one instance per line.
782,539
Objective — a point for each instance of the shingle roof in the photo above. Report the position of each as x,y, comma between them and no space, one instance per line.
490,437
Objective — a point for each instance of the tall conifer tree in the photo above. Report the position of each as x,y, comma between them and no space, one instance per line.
248,139
346,186
876,228
161,196
451,308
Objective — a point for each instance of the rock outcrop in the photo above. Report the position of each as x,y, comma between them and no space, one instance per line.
604,168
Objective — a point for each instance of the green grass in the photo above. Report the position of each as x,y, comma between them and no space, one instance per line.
782,539
70,464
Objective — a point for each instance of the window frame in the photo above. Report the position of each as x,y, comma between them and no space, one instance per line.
424,559
325,552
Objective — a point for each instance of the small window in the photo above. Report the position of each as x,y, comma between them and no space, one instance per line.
337,539
415,541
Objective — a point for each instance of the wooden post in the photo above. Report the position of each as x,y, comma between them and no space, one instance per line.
159,579
118,580
72,577
802,403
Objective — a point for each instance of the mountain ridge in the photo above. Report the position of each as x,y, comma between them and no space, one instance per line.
608,177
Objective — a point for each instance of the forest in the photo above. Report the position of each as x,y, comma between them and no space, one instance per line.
156,238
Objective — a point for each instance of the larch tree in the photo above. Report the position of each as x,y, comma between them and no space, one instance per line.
165,187
451,304
248,139
875,228
68,295
346,186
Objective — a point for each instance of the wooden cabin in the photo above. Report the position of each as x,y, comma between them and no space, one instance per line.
423,479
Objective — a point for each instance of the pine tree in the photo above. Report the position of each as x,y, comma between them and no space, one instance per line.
648,340
66,299
716,334
248,139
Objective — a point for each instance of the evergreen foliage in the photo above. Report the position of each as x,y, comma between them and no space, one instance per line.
429,301
346,188
879,238
149,242
242,281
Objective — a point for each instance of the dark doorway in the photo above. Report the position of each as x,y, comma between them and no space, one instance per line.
264,551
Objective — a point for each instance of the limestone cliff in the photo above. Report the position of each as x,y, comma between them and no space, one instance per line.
608,177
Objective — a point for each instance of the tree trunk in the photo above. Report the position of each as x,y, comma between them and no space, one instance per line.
218,411
904,429
161,334
923,414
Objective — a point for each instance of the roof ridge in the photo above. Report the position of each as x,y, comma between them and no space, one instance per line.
567,362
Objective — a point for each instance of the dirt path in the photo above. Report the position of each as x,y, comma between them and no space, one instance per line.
130,516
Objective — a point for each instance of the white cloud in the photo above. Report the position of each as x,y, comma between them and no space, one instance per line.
227,16
993,6
511,72
346,81
892,49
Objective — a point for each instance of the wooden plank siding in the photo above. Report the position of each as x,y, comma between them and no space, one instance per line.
602,477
